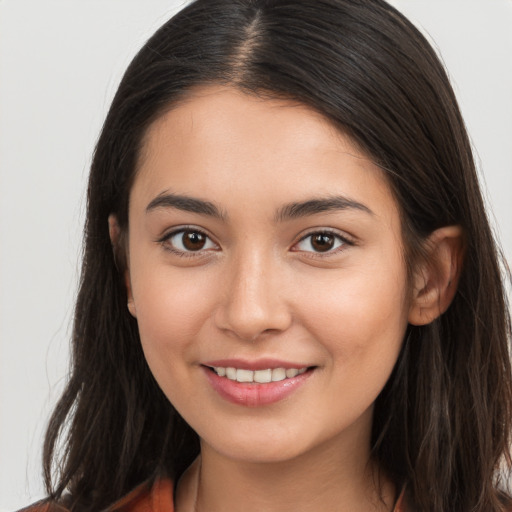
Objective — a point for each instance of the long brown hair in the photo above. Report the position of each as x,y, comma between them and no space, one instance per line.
442,423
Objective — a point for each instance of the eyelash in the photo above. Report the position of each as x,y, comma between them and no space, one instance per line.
344,242
164,241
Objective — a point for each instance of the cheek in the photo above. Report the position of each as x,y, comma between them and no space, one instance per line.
361,314
165,310
361,327
171,310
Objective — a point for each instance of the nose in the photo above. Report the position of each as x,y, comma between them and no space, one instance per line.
253,299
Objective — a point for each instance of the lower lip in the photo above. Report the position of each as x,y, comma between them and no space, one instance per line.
254,394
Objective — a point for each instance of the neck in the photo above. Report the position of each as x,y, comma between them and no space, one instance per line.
343,481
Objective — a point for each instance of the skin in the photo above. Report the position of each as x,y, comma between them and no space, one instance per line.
259,288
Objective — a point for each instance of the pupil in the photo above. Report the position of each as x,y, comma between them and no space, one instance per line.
193,241
322,242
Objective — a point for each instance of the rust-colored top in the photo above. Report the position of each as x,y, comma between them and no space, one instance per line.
156,498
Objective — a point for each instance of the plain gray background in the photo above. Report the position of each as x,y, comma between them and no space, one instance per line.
60,62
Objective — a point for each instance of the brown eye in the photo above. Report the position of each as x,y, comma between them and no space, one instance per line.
322,242
193,241
188,241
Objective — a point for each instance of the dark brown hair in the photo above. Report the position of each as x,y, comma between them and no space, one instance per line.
442,423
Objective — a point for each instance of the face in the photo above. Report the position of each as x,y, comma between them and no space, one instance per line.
266,273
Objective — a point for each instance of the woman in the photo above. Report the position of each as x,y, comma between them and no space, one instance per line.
290,297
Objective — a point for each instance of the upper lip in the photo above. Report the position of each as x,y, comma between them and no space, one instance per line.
259,364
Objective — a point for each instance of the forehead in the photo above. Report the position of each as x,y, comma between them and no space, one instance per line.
221,143
210,113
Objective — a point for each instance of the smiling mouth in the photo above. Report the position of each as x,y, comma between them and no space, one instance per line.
264,376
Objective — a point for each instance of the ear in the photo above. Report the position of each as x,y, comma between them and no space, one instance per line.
120,255
436,279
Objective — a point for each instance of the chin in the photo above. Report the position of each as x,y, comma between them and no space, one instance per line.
269,454
262,446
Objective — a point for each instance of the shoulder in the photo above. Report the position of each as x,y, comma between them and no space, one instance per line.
44,506
156,497
147,497
401,505
404,502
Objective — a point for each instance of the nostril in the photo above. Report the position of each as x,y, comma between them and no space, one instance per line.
253,323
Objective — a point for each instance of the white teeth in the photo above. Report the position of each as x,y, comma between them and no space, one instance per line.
278,374
263,376
259,376
245,376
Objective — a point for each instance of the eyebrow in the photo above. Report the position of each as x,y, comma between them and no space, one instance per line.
289,211
185,203
320,205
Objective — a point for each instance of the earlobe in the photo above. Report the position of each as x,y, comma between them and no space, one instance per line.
118,249
114,231
131,304
436,279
